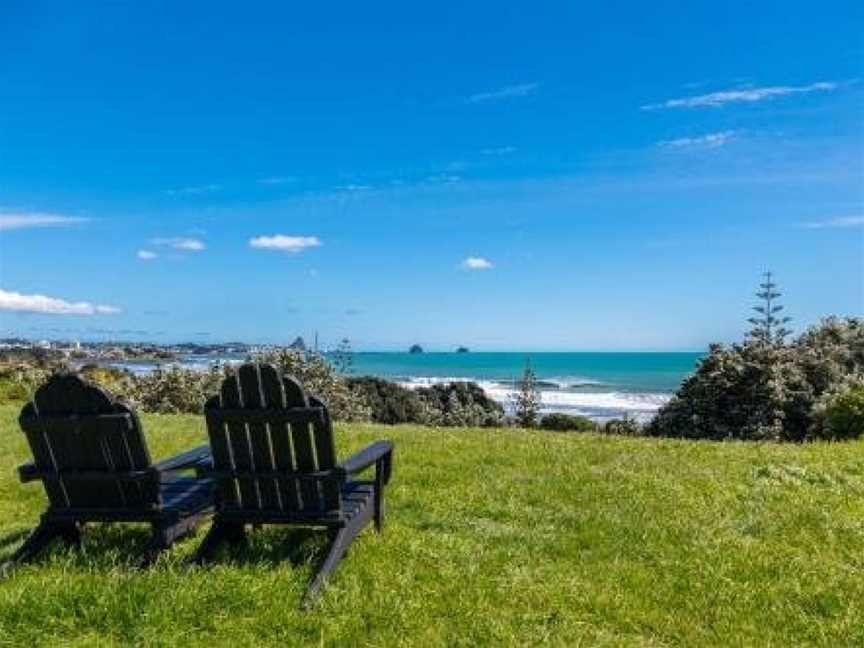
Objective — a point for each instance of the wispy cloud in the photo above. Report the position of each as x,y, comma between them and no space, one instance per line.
507,92
28,220
741,95
835,223
477,263
499,150
277,180
444,178
180,243
282,243
709,141
353,187
146,255
196,190
21,303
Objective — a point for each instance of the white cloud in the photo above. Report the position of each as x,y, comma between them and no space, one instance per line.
477,263
282,243
507,92
189,244
709,141
22,220
146,255
499,150
180,243
195,191
834,223
12,301
742,95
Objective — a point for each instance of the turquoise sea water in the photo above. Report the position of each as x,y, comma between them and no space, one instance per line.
599,385
632,372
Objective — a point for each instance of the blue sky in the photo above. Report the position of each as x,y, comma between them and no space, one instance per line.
501,175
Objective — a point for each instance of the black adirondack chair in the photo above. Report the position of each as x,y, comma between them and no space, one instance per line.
90,453
274,462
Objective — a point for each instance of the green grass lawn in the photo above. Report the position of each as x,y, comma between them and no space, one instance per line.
493,537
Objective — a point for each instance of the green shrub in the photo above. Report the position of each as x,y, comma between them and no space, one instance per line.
320,378
765,390
173,390
118,381
451,404
461,404
627,426
738,392
840,414
18,383
388,402
567,423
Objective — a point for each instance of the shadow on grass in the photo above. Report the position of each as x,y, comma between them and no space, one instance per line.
103,546
268,546
122,546
13,537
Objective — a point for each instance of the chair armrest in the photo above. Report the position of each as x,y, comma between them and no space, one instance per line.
204,468
380,452
186,460
28,472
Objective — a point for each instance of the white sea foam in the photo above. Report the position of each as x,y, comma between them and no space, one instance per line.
595,403
566,382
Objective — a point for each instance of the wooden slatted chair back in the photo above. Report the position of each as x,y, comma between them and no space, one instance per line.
272,446
85,443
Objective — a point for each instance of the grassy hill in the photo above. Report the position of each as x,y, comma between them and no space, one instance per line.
493,537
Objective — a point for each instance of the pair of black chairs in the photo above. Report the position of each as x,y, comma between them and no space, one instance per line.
271,460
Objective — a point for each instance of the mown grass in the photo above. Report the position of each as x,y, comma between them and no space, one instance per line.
494,537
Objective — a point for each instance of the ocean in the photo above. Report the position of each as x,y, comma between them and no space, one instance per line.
597,385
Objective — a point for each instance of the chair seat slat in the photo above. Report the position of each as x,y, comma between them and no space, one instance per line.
334,474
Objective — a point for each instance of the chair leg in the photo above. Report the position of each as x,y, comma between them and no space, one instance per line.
71,534
338,546
40,538
341,539
379,508
382,470
161,539
219,534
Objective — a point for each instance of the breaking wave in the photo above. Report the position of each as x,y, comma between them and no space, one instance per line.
569,395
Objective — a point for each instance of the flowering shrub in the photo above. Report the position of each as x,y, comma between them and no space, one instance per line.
173,390
318,377
766,390
840,413
18,383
